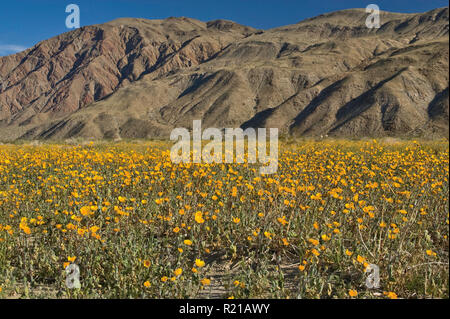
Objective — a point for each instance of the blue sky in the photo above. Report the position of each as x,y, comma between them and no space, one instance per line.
23,23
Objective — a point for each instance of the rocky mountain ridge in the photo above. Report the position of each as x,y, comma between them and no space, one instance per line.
138,78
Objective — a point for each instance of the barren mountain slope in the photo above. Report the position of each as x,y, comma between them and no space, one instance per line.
70,71
141,78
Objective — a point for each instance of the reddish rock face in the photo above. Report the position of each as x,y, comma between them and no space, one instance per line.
70,71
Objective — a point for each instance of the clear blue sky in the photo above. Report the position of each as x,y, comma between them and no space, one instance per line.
25,22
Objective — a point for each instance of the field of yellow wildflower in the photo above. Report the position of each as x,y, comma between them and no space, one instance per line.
138,226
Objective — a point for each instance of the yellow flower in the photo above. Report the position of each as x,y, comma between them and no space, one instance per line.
199,217
348,252
391,295
71,259
147,263
94,229
178,272
430,252
81,231
301,267
187,242
85,211
236,220
199,263
205,282
352,293
315,252
147,284
25,228
164,278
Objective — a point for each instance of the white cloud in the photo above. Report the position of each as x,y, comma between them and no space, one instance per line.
6,49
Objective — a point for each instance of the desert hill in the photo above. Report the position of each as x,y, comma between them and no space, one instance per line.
137,78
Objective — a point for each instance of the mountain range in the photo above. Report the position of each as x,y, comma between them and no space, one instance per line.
138,78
